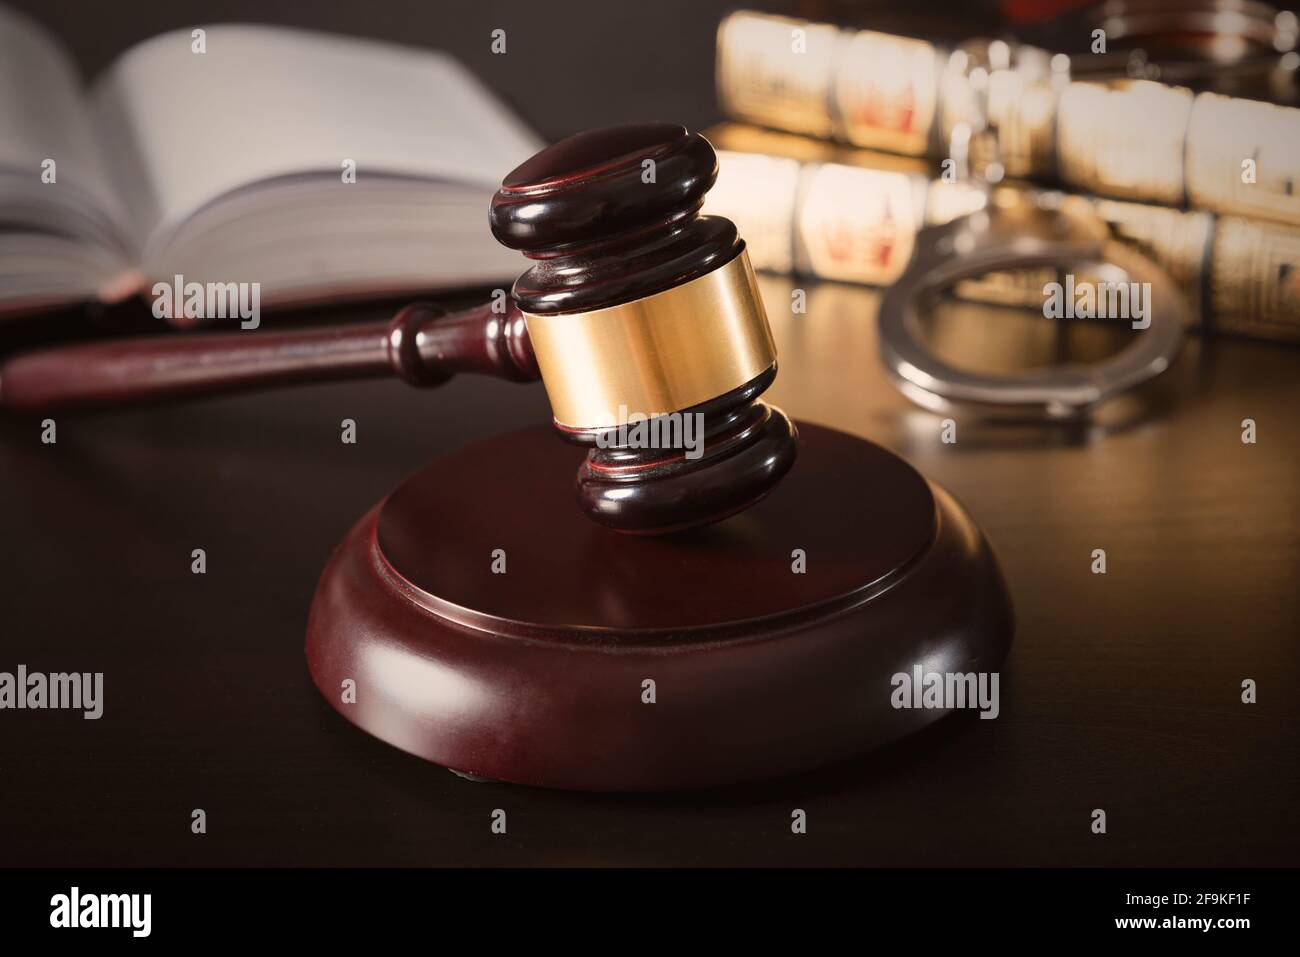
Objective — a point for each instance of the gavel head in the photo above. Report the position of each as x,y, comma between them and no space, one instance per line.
647,326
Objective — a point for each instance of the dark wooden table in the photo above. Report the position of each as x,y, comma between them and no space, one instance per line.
1121,692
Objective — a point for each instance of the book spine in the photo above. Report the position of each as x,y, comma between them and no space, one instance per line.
1156,143
858,224
1254,280
861,87
1136,140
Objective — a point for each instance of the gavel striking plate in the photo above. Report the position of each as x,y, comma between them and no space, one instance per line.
585,658
704,616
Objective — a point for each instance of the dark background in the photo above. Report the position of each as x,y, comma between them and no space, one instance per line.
1121,691
569,66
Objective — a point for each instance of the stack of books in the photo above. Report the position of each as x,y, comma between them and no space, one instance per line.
845,143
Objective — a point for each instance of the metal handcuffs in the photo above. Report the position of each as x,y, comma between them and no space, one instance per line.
1045,229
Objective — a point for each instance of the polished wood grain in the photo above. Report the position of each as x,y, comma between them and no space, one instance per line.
611,216
472,640
421,344
745,448
603,227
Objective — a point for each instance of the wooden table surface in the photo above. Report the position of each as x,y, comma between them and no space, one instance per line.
1122,691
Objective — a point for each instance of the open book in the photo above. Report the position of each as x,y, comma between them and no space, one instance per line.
316,166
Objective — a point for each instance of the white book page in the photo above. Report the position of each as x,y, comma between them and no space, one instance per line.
42,115
309,239
265,102
65,231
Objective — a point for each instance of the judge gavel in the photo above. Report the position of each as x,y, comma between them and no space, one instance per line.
637,309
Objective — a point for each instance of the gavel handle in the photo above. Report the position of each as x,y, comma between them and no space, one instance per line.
422,344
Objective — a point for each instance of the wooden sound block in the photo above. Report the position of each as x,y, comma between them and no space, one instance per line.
492,628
